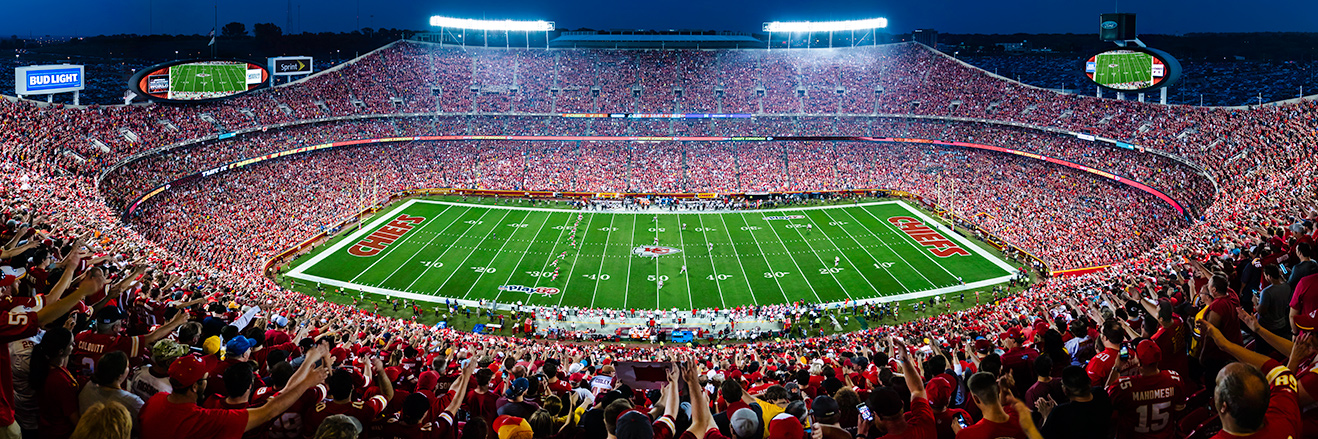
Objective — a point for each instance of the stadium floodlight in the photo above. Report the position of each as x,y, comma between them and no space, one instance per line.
495,25
825,26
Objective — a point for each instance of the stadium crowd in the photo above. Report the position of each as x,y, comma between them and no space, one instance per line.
165,327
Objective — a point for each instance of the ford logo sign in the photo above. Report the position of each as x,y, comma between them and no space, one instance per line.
1109,25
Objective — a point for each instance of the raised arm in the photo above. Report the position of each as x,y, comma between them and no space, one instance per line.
305,378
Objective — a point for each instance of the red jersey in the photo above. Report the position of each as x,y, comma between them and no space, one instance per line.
1144,405
986,429
289,425
1283,417
1175,345
19,323
161,419
1101,365
365,411
921,419
90,346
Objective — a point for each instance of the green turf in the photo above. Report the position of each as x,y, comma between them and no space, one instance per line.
208,78
1124,70
467,251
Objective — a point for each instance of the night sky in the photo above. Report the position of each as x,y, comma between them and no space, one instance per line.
95,17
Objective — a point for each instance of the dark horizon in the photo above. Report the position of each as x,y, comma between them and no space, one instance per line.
143,17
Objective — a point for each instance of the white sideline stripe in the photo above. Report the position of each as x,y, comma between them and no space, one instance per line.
354,237
961,239
298,272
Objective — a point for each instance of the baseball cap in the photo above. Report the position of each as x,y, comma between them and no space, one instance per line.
512,427
1148,352
939,391
109,314
744,423
785,426
1307,321
165,351
1014,333
10,274
239,345
633,425
825,406
517,388
187,370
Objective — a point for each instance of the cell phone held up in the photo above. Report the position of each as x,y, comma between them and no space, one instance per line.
865,412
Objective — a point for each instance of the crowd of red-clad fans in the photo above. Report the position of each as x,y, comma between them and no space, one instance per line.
164,328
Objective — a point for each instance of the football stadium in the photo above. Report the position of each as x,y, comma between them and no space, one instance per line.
496,228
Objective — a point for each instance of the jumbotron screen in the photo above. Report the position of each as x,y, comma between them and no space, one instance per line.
192,81
1127,70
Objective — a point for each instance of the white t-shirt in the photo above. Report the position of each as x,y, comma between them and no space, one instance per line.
26,411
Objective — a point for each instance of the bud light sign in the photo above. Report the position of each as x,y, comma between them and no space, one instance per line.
32,80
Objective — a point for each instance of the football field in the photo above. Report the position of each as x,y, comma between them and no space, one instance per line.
436,250
1127,71
208,78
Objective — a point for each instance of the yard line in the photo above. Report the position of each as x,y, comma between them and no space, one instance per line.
631,245
691,302
607,234
749,288
446,249
912,242
500,252
867,251
576,258
656,264
703,229
513,272
899,255
473,251
418,250
825,264
391,249
793,258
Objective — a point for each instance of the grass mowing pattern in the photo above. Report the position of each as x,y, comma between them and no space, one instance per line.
207,78
467,251
1127,71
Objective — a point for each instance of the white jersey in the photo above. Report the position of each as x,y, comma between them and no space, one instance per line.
145,385
26,410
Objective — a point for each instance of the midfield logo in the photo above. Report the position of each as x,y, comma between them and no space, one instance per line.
654,250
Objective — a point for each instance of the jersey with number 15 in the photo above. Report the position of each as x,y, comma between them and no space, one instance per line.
1146,406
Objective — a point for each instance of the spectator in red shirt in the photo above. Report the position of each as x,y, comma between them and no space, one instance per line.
176,414
1146,404
1250,403
341,386
56,387
887,407
1221,313
1100,367
997,422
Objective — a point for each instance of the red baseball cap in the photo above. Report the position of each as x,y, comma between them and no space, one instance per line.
1148,352
1014,333
939,391
189,369
1307,321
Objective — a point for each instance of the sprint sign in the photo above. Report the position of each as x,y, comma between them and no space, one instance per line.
373,243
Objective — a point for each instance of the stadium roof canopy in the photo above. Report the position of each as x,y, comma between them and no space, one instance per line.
656,41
